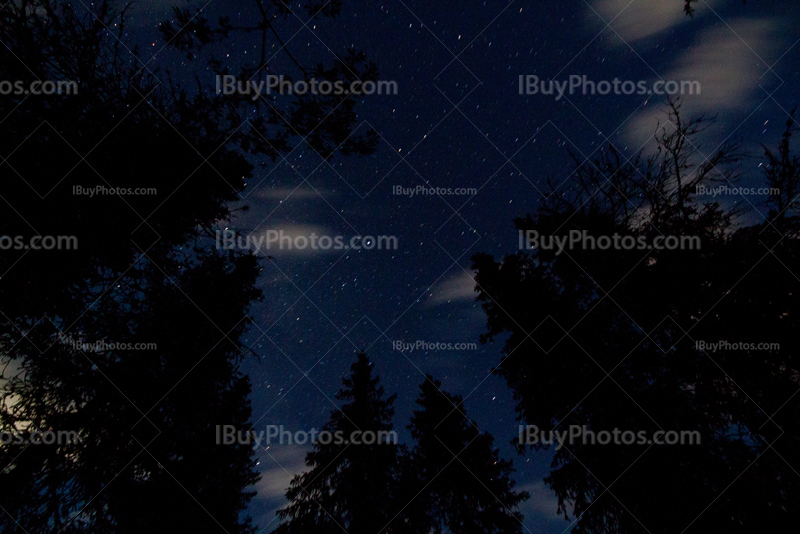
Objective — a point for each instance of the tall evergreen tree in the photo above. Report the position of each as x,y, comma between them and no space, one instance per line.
350,486
467,486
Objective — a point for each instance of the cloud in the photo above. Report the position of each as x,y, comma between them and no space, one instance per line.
280,464
291,240
640,19
726,63
540,510
459,288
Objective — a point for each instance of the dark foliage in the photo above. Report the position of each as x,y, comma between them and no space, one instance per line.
607,339
141,270
466,486
452,481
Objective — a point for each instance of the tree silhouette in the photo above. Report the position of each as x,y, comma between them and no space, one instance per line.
384,488
325,122
782,174
144,271
607,339
147,457
350,486
466,485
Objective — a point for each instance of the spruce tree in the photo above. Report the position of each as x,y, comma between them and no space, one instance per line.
467,486
350,486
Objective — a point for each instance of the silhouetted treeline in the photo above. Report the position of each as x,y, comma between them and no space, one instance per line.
452,480
141,269
609,338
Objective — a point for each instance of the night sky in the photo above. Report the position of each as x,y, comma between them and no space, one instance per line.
458,121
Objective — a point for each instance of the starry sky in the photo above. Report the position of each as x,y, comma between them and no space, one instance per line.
458,121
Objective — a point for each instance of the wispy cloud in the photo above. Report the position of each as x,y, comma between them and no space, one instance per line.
726,61
289,242
635,20
279,464
540,510
459,288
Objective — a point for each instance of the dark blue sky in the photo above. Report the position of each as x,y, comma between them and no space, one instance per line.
458,121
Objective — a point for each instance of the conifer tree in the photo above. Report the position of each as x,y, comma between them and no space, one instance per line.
467,486
350,486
